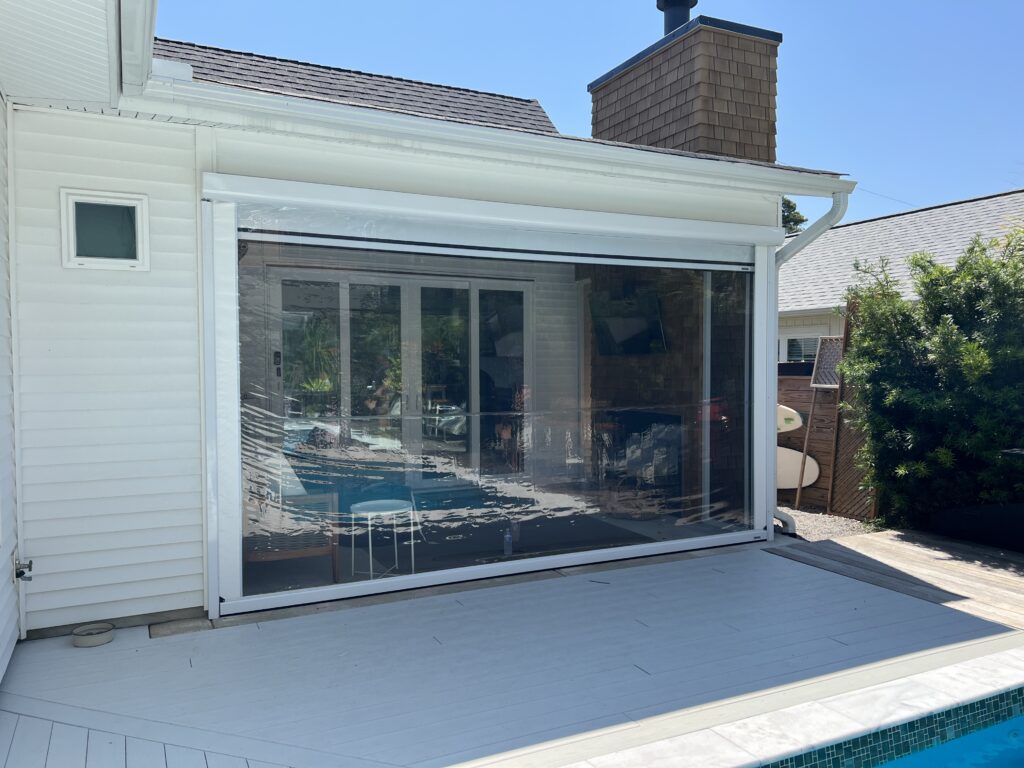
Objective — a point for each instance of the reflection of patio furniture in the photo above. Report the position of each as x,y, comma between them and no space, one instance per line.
639,463
368,511
444,421
301,527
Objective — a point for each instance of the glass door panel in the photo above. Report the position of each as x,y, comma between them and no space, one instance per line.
445,400
502,382
375,350
310,357
290,500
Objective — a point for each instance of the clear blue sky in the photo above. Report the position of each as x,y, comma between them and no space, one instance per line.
920,101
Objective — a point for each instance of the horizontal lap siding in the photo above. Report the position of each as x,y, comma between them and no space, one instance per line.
8,510
108,371
791,324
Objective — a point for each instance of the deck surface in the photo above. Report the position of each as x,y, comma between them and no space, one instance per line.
444,679
982,581
32,742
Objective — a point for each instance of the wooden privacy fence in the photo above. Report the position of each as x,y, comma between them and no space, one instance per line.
849,498
833,443
795,392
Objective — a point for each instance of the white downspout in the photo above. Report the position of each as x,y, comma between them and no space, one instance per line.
788,522
840,201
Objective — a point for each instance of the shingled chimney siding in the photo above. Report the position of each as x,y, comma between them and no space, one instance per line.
710,90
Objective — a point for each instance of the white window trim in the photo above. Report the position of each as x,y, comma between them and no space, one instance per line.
69,255
799,332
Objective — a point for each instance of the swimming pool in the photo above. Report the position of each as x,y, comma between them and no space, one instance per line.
1000,746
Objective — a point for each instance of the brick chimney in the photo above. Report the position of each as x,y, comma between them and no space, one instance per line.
707,86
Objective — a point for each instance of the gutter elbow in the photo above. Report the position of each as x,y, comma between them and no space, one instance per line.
840,202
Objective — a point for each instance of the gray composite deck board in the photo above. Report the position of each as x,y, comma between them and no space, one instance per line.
8,723
68,746
183,757
445,678
106,750
142,753
27,741
30,744
224,761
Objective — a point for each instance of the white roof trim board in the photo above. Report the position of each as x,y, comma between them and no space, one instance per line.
816,279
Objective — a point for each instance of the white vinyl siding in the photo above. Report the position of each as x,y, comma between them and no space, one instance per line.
57,49
8,510
108,371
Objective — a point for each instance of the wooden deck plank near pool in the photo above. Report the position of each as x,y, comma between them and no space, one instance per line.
572,666
982,581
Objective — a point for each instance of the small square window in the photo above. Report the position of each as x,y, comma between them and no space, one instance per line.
105,230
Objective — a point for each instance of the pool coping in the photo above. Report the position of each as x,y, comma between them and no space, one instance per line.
792,720
880,748
859,728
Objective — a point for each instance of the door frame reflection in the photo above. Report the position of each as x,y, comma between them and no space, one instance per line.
412,345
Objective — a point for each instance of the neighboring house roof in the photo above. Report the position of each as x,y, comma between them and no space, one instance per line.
818,276
345,86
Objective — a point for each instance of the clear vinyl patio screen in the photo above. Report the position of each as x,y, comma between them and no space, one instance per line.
394,409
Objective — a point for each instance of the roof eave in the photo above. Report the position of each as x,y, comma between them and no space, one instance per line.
214,103
137,26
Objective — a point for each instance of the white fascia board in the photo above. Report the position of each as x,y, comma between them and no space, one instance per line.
137,26
308,213
114,42
392,206
238,107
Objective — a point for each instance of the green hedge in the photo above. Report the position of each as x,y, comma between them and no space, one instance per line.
938,383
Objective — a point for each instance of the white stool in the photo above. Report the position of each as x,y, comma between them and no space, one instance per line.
370,510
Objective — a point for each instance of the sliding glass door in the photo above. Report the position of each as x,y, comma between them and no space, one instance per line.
406,414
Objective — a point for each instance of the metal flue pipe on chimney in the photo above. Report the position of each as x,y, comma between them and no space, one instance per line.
677,13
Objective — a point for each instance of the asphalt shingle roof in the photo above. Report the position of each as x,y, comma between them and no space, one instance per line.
345,86
818,276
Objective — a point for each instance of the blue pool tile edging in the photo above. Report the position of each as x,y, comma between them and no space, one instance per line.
888,744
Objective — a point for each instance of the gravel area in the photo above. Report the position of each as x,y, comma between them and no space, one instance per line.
815,526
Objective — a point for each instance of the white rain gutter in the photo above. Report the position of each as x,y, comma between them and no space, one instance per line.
840,201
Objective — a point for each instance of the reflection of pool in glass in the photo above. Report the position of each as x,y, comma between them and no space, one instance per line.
1001,746
368,432
466,500
462,516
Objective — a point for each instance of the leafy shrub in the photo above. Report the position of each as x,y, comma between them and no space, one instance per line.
938,383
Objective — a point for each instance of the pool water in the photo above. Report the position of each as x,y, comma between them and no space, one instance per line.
1001,746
